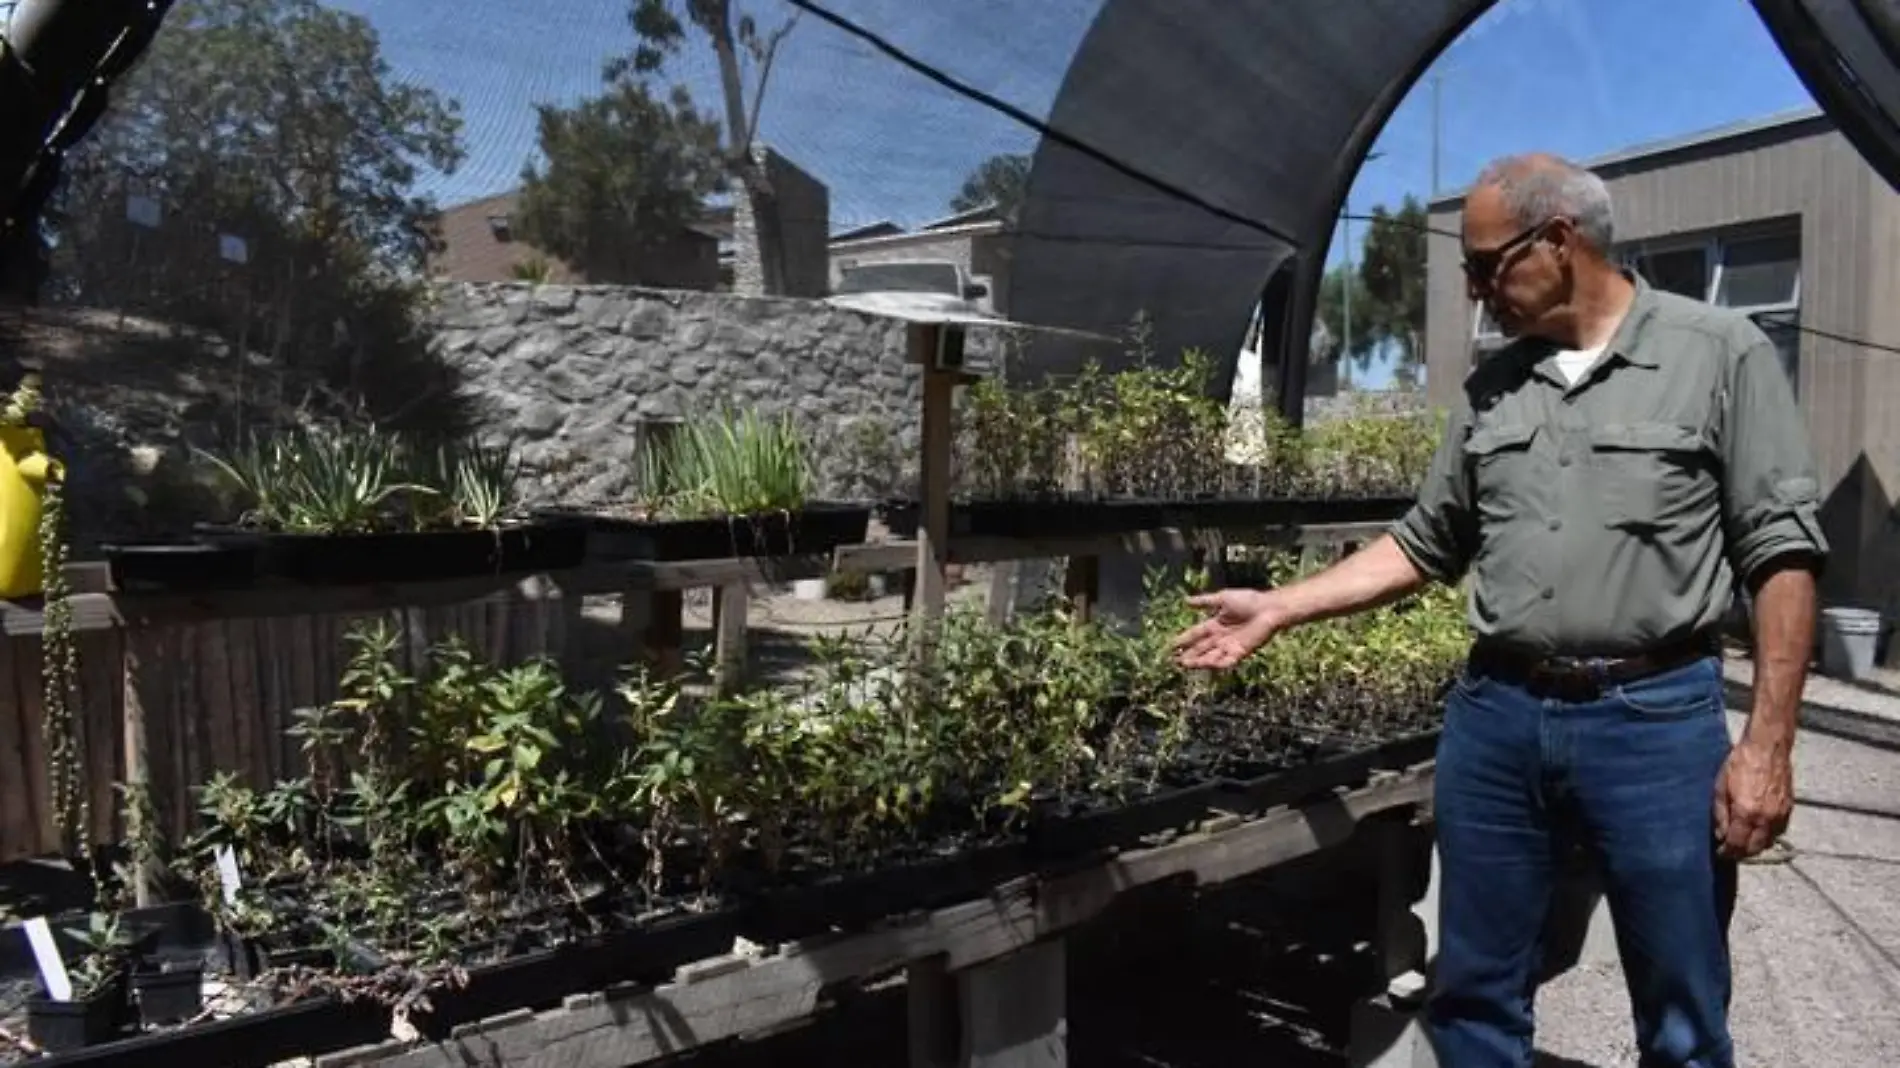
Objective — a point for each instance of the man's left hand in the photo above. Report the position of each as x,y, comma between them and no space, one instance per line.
1754,797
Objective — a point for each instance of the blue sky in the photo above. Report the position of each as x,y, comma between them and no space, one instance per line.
1578,77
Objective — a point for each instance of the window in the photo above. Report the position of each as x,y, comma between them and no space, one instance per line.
1758,273
1684,271
1762,272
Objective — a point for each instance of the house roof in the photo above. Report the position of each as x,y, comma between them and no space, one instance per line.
1649,150
880,228
984,213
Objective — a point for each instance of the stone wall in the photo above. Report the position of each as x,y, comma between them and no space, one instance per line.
570,373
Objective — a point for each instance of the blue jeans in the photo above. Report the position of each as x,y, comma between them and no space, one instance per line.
1630,777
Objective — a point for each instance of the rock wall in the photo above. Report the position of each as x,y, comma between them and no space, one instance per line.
571,373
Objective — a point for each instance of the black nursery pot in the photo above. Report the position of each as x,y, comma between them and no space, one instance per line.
63,1025
247,958
178,565
169,989
406,556
818,527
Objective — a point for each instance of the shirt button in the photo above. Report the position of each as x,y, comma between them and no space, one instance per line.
1556,524
1549,593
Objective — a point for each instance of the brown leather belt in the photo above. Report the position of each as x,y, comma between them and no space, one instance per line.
1585,678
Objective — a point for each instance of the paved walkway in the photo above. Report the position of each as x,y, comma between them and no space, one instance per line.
1816,939
1867,711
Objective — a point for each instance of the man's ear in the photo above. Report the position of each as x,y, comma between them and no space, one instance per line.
1562,238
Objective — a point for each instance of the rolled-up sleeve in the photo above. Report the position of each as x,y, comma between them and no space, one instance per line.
1771,494
1438,533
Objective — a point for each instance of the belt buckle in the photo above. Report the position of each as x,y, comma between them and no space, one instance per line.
1581,678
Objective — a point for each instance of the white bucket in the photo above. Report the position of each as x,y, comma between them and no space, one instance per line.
809,589
1849,637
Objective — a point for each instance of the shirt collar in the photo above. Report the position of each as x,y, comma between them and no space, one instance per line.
1625,344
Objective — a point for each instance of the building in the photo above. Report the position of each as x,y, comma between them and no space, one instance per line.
480,244
1780,217
976,241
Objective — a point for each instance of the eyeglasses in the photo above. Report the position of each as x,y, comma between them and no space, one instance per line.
1481,265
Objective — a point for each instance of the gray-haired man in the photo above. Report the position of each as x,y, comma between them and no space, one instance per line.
1605,479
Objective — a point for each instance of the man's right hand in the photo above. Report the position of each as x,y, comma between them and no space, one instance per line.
1238,623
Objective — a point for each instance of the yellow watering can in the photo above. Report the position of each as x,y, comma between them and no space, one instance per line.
25,470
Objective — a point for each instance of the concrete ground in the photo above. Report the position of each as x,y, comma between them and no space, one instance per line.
1816,936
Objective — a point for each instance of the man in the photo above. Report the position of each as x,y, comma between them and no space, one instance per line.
1605,479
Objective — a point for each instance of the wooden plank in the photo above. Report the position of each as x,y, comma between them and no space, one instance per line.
733,996
30,690
280,747
729,636
874,556
19,805
663,638
938,439
146,690
219,717
101,690
251,718
98,610
135,743
185,709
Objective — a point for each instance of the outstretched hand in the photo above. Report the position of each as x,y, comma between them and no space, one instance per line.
1238,623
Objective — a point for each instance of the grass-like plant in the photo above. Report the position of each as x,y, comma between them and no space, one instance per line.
356,480
732,463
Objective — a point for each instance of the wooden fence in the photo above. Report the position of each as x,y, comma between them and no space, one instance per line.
216,696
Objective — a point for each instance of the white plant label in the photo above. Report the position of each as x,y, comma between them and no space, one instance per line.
233,248
52,965
228,874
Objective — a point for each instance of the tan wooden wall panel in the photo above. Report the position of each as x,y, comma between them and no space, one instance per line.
218,696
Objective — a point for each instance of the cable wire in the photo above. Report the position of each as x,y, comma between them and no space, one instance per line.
1005,108
1775,322
946,80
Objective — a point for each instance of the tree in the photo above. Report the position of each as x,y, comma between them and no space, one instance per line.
741,50
624,172
1393,270
1332,313
276,121
1001,180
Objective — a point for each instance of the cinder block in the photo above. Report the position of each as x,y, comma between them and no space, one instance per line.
1385,1036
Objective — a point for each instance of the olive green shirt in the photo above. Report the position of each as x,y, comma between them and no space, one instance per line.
1607,517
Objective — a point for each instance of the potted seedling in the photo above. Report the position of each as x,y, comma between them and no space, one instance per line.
730,484
354,505
96,1010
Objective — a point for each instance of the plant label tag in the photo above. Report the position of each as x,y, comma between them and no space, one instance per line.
228,874
233,248
46,954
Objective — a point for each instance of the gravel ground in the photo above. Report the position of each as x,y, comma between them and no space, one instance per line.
1816,939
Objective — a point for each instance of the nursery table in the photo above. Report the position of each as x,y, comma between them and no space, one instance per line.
986,978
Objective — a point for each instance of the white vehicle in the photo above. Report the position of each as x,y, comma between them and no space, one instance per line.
911,288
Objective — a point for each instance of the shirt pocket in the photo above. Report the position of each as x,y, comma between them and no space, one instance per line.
1500,463
1651,475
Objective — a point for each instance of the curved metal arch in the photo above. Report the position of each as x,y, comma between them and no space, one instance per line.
1315,82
